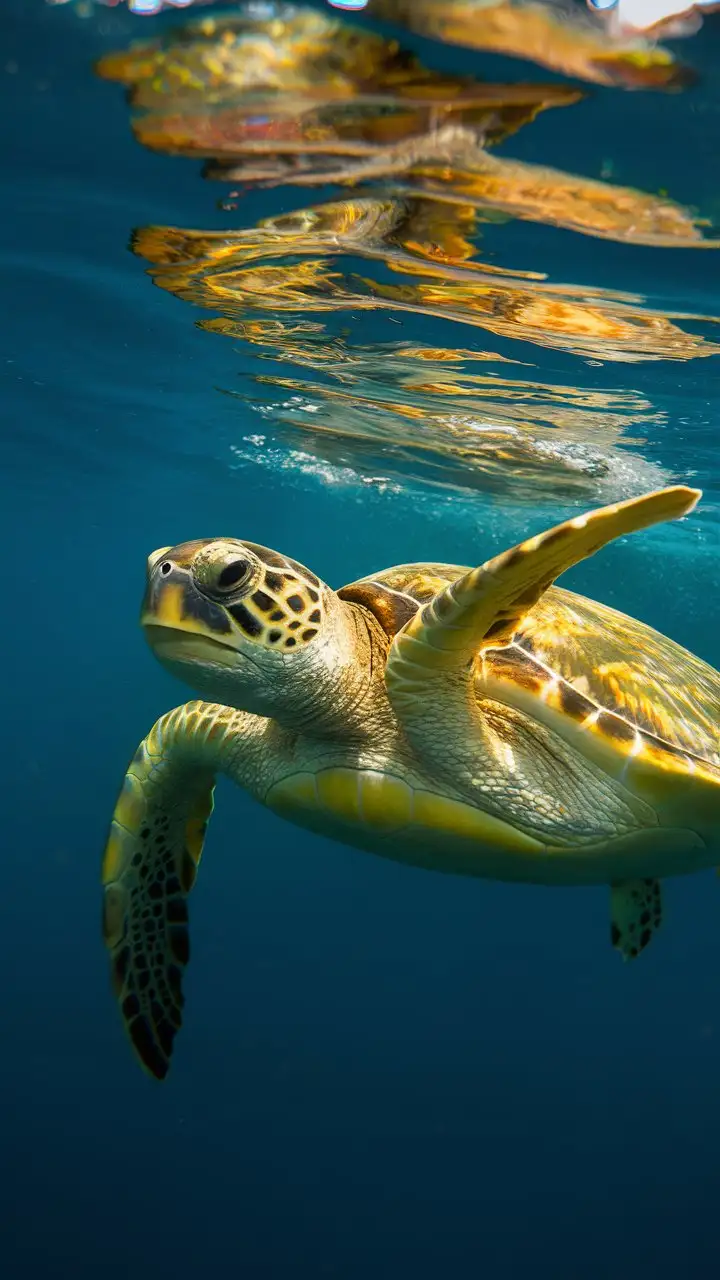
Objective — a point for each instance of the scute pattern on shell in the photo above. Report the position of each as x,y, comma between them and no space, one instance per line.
628,668
620,664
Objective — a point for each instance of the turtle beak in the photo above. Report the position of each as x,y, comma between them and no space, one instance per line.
174,610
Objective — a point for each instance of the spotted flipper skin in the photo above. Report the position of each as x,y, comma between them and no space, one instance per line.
150,864
486,606
636,914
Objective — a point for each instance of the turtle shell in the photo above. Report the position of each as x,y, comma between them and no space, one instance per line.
583,661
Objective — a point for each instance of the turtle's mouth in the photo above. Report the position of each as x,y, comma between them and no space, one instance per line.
181,645
182,625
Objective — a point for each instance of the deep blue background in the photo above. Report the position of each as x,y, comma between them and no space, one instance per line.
383,1072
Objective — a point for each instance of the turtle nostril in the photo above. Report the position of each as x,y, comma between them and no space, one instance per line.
165,568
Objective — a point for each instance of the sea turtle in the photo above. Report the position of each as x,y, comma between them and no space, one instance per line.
476,721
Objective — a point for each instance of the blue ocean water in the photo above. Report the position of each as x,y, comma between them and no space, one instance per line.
382,1072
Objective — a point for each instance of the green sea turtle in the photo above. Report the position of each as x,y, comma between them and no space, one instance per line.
475,721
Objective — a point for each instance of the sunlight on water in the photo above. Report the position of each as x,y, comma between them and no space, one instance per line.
560,36
300,98
604,47
291,263
320,101
380,406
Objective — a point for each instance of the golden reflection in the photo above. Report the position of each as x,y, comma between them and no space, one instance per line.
306,84
539,194
308,99
424,413
456,417
562,37
295,263
304,98
454,168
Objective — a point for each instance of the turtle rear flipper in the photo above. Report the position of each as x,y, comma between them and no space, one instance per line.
636,912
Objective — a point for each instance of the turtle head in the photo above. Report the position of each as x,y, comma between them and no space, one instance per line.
245,626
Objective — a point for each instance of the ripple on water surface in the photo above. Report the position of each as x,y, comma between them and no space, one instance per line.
499,377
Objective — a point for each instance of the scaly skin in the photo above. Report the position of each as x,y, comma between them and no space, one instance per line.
378,729
335,713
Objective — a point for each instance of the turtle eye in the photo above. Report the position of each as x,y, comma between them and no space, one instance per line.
233,575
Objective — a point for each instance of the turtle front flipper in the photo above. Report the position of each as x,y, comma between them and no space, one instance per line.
150,864
507,762
485,607
636,912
